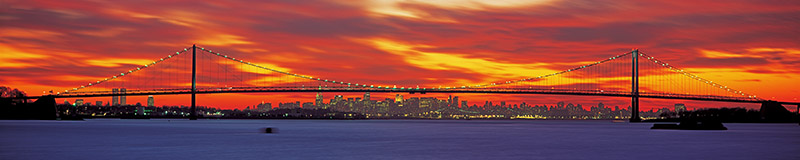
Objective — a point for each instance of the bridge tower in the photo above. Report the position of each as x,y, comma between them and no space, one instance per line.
635,86
193,115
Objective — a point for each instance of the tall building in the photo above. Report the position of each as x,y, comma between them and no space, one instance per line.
150,101
680,107
114,99
338,98
366,97
398,98
464,104
318,101
263,107
449,99
98,103
122,99
455,101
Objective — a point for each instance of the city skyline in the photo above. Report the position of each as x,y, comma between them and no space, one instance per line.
397,107
320,98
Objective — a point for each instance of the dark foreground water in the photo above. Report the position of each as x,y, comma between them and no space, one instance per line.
388,139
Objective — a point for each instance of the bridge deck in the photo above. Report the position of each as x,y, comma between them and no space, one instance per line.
411,90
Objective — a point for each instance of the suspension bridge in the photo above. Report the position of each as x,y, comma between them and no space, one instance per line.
633,74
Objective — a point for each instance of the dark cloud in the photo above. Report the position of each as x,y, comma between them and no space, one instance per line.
330,28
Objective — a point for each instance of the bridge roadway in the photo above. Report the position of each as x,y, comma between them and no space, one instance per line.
410,90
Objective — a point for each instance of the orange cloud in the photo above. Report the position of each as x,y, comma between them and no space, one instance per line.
221,39
400,8
28,33
116,62
15,58
720,54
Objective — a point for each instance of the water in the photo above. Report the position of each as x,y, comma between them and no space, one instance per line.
388,139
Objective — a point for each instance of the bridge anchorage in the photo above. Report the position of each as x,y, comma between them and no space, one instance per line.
214,72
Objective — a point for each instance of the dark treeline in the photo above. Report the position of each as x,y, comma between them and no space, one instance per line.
734,115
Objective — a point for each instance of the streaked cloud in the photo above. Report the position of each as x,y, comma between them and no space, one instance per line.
221,39
16,58
720,54
116,62
29,33
404,8
490,68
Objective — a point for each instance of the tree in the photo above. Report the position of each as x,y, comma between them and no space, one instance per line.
7,92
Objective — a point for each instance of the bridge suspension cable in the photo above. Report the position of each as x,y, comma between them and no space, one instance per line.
218,72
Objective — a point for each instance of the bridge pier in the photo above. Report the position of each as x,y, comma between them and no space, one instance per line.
635,86
193,115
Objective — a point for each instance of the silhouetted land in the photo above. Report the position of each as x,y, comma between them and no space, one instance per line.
767,114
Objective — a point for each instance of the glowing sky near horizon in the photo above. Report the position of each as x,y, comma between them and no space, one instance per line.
752,46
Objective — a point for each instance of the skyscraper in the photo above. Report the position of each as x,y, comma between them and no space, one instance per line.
338,98
455,101
122,99
150,101
263,107
449,98
319,101
98,103
398,98
114,99
366,97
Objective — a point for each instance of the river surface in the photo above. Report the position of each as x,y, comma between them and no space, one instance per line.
388,139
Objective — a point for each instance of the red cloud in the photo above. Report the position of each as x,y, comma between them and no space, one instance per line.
52,39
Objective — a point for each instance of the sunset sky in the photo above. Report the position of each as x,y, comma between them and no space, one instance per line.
751,46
